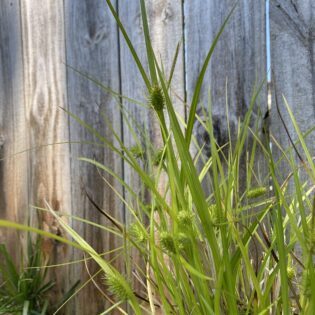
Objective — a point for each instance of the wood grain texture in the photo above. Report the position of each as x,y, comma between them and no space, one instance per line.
13,128
44,90
165,23
237,65
293,58
37,39
92,48
140,117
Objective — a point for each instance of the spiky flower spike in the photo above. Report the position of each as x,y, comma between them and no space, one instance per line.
256,192
167,242
185,219
159,157
137,151
117,287
138,233
156,98
182,241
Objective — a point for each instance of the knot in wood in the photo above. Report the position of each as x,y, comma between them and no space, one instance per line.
220,131
167,13
2,140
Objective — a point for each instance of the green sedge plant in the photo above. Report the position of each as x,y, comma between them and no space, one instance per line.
227,252
25,289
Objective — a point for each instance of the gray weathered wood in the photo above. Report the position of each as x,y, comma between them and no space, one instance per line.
37,39
132,86
165,22
13,128
293,57
293,60
92,48
237,65
45,90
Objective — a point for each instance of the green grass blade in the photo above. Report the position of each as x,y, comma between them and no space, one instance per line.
146,32
130,46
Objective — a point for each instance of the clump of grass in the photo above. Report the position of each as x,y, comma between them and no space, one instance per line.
24,289
198,248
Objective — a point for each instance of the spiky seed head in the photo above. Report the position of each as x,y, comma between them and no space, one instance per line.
212,208
115,285
137,151
215,218
185,218
256,192
182,241
167,242
290,272
159,156
156,98
137,233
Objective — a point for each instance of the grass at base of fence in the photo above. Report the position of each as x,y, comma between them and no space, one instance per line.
227,252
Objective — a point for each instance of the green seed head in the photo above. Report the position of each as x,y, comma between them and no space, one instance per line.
116,286
212,208
256,192
185,218
158,157
182,241
167,242
215,218
290,273
156,98
137,152
137,233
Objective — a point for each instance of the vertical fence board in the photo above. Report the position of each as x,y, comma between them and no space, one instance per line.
38,36
293,58
165,23
13,139
133,87
92,48
237,65
44,86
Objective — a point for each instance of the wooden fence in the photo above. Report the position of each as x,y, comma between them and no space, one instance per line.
39,37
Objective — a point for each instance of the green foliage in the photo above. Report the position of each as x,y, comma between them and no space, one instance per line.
116,286
229,251
25,290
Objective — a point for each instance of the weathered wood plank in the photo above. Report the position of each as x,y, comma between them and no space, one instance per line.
166,25
237,64
293,58
44,90
13,129
92,48
165,22
132,86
